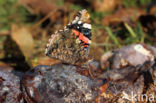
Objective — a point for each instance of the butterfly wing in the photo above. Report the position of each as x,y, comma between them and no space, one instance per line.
66,46
63,46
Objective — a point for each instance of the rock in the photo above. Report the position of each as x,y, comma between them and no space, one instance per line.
10,86
59,83
131,55
129,84
121,92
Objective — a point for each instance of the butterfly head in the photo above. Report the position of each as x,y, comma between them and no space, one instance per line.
81,23
82,16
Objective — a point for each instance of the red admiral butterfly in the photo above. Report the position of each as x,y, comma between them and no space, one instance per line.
71,45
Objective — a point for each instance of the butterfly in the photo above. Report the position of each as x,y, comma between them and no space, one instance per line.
71,44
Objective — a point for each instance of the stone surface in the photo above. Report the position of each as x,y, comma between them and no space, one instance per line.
10,86
131,55
57,84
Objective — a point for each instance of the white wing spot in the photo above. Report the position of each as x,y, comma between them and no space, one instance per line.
79,22
88,26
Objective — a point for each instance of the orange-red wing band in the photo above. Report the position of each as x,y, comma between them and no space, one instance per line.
81,36
76,32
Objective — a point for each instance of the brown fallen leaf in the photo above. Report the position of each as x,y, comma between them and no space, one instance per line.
153,10
23,38
44,7
44,61
123,15
105,5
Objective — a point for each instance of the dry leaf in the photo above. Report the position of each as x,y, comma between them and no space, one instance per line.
105,5
23,38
